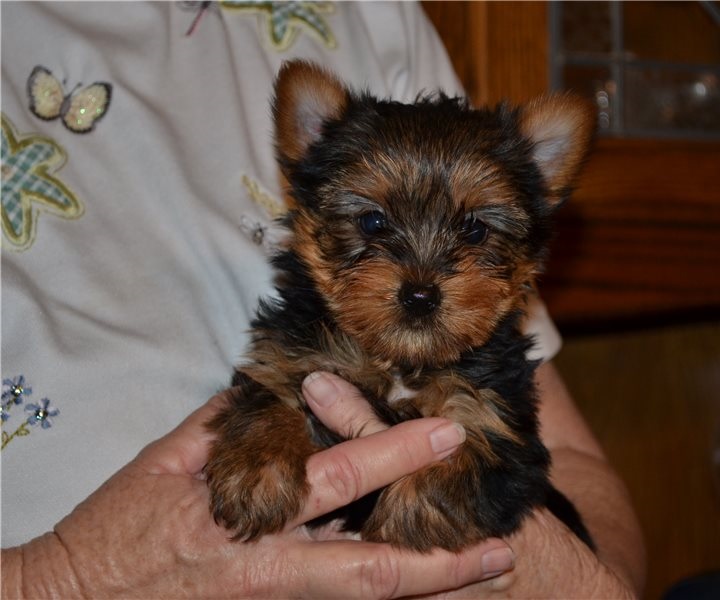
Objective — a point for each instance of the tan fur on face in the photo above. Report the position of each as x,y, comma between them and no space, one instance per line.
305,242
363,298
364,301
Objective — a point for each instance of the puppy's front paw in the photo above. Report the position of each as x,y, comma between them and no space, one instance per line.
256,466
253,497
427,509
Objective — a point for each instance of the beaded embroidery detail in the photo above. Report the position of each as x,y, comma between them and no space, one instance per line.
261,234
40,413
14,394
285,20
79,110
29,187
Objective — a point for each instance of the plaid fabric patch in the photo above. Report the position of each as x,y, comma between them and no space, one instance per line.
286,19
28,186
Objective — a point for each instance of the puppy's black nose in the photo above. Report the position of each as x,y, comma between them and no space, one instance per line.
419,300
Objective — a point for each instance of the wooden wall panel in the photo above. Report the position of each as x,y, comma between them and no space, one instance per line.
651,398
640,239
493,65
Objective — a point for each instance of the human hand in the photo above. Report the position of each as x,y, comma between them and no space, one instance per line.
147,532
550,561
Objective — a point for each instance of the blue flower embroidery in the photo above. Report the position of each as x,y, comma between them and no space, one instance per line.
14,392
41,413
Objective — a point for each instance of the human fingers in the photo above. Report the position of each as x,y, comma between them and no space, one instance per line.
183,451
348,471
340,405
350,569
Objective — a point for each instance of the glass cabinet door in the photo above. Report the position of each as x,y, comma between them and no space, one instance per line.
652,68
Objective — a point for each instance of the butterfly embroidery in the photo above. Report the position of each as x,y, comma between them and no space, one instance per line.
79,110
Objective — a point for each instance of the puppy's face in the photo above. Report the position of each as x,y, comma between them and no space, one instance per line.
422,225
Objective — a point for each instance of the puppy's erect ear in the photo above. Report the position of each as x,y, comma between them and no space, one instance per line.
560,128
305,97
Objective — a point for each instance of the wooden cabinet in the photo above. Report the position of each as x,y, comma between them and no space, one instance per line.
639,242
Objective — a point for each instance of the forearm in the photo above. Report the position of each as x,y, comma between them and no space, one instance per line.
582,473
38,569
603,501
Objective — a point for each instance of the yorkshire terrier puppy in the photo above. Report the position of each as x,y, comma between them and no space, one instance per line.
417,233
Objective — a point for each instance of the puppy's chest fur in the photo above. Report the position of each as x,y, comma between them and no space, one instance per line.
489,389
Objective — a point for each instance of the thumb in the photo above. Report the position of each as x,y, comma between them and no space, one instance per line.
183,451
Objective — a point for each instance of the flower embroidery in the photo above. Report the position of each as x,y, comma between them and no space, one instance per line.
262,235
14,393
41,413
285,20
28,185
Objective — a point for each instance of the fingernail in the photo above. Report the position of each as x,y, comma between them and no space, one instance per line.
447,437
497,561
320,389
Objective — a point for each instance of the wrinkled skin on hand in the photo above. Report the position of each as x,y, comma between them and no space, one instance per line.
147,532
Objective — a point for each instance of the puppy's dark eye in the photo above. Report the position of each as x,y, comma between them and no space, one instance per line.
372,223
474,230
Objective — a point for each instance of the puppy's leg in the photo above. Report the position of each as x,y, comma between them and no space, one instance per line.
455,503
256,468
482,490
